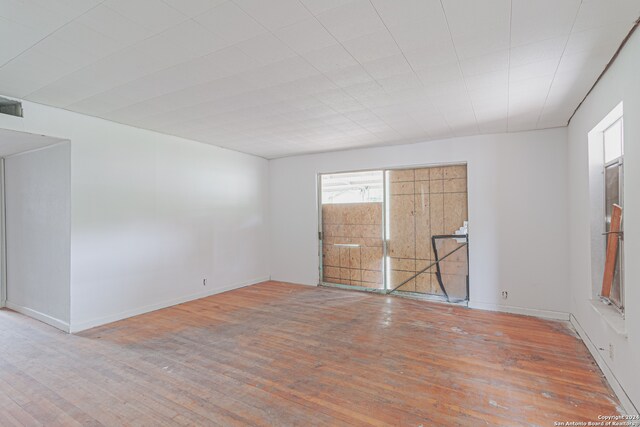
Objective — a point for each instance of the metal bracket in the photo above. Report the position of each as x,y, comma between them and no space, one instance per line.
619,233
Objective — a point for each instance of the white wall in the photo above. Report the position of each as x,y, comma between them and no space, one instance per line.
153,215
12,142
620,83
517,213
38,205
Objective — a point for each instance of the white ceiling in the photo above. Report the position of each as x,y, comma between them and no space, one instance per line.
283,77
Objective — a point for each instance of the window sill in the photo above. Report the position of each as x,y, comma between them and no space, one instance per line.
611,315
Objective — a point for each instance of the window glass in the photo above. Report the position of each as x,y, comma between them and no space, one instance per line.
613,179
352,187
613,141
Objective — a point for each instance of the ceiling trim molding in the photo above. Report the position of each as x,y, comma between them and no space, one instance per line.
609,64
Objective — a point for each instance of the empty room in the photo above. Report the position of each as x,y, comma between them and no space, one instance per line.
319,212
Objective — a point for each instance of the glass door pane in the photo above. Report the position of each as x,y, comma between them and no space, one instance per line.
422,203
612,196
352,223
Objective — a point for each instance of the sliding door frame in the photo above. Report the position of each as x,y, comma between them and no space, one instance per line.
321,281
385,205
3,239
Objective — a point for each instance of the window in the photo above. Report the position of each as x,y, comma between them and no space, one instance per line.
613,146
613,139
606,188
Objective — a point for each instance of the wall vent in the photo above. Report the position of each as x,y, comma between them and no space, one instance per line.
10,107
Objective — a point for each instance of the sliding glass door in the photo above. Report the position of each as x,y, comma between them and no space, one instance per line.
351,229
427,208
401,230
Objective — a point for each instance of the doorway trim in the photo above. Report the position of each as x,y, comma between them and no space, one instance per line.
3,240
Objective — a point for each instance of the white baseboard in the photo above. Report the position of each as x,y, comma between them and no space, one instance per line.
77,327
545,314
627,404
45,318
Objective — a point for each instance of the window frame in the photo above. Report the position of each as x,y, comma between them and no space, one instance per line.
619,161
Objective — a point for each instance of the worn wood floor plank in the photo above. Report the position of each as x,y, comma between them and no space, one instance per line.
284,354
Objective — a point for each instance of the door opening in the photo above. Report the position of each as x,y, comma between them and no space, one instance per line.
400,231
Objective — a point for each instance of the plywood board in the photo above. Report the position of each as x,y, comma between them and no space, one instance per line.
612,250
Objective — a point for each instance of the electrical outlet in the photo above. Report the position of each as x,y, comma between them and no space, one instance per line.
505,294
204,282
610,351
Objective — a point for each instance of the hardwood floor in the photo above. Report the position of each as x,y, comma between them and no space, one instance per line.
280,354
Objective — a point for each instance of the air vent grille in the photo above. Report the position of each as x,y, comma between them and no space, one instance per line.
10,107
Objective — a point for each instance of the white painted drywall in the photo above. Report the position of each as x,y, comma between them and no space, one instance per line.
153,215
38,204
517,213
620,83
12,142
